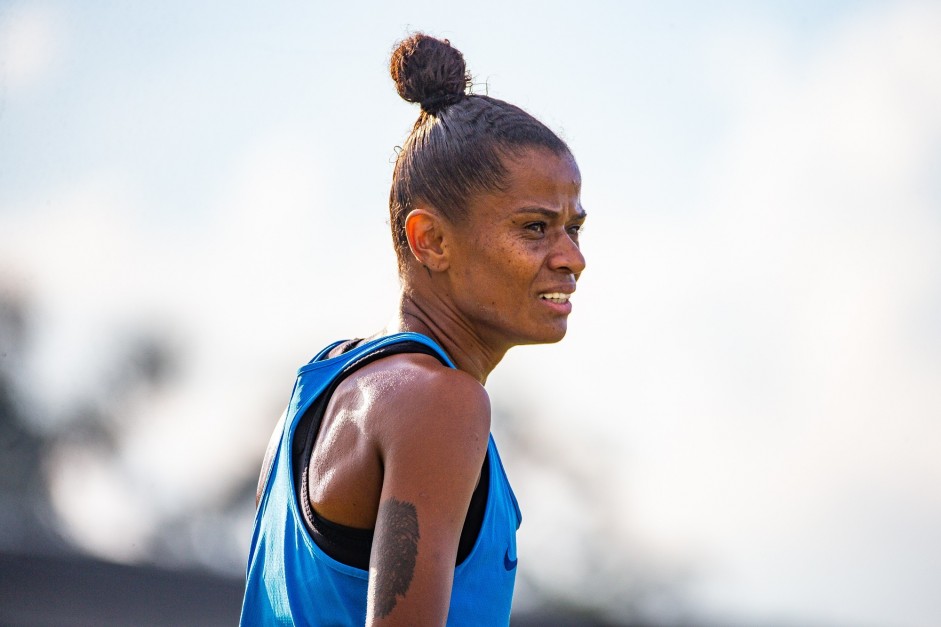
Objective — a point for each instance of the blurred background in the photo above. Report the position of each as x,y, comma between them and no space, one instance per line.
743,426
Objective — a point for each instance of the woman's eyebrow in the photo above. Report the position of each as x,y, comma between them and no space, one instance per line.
581,214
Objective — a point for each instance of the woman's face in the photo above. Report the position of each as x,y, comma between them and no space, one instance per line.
515,258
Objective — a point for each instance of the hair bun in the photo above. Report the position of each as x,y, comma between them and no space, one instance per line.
429,71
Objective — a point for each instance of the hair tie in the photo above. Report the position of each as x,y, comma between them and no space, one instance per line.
438,102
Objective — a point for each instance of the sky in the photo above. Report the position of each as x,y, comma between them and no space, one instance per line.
743,422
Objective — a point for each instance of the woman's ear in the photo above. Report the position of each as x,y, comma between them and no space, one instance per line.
425,233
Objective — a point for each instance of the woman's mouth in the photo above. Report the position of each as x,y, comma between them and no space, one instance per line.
558,298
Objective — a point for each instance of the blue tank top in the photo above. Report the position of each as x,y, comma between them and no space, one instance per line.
291,581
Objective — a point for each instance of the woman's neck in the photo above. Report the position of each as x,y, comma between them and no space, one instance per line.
432,317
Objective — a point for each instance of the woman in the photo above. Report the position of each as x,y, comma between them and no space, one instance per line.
382,499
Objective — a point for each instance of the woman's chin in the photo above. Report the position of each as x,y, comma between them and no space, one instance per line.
546,336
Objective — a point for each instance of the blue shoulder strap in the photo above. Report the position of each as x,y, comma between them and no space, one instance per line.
373,345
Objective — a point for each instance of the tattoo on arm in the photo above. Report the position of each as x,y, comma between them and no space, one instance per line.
396,553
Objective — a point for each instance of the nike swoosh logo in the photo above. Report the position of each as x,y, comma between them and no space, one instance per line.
507,562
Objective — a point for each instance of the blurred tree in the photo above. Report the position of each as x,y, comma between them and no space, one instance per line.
26,519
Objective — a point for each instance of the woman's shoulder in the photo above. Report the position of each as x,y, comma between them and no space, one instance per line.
412,393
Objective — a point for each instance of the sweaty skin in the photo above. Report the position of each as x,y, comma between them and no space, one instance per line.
403,439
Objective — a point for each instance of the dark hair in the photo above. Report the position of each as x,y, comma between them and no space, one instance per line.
457,146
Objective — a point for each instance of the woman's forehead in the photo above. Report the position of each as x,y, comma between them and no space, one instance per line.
542,169
538,156
544,181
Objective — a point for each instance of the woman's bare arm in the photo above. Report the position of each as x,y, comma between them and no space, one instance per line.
434,438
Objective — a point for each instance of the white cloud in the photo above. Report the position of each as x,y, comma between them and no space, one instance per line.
769,367
30,42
